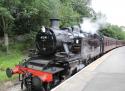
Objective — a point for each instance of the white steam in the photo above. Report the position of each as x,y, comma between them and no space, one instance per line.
92,26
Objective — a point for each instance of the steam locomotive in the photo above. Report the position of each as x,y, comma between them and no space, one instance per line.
59,54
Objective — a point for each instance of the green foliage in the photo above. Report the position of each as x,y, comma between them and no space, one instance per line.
5,13
72,11
68,16
29,15
114,31
6,19
81,7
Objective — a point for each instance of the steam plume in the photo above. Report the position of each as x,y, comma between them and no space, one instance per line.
92,26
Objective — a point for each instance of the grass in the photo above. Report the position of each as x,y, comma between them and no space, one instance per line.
3,76
10,61
13,58
17,51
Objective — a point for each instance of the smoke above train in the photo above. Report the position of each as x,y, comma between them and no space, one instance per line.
91,25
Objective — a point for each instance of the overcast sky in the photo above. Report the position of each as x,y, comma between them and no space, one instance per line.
113,9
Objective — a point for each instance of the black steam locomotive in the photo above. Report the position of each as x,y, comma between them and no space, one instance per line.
59,54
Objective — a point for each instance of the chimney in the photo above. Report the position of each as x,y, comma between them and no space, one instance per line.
54,23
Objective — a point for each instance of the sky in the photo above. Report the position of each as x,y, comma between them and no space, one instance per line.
113,9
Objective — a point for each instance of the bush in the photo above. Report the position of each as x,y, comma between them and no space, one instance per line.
114,31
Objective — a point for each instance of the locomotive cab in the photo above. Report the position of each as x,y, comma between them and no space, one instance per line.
76,47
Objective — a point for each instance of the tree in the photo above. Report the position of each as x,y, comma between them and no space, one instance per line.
5,24
114,31
70,12
81,6
30,15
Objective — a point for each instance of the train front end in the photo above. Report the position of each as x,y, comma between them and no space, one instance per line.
46,41
37,74
33,79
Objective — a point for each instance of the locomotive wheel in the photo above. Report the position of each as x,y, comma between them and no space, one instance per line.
28,86
87,62
37,84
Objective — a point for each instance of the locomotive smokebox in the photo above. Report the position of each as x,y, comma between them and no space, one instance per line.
54,23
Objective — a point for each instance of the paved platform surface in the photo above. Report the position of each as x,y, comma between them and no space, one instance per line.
105,74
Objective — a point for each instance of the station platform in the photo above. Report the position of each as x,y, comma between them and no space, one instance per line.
105,74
